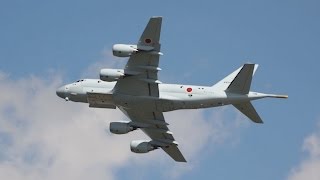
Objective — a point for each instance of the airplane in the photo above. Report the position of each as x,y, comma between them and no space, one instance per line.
143,98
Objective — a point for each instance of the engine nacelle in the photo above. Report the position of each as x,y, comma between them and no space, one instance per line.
121,127
141,146
111,74
124,50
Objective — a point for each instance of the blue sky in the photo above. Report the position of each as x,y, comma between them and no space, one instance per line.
56,42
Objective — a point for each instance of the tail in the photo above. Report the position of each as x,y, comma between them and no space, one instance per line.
239,82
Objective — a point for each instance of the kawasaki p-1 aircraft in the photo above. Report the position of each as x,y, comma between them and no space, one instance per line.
140,95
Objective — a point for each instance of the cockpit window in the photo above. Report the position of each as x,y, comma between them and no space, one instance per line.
80,80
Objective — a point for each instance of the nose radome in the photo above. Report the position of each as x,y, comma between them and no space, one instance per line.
61,92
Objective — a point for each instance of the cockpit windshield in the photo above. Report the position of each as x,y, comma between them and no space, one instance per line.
80,80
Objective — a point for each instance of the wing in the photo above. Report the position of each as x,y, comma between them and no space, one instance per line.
143,65
141,79
156,128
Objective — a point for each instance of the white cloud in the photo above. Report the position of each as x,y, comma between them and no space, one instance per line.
50,139
198,132
43,137
309,168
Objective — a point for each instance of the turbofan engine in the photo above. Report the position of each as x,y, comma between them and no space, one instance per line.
111,74
141,146
121,127
124,50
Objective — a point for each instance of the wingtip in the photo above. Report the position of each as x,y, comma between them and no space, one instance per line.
259,122
182,160
156,17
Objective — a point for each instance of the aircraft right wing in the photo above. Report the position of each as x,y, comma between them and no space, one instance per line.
142,67
156,128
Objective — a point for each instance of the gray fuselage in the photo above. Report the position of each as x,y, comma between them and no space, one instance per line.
171,96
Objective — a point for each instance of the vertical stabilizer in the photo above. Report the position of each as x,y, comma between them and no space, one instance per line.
239,81
242,82
225,82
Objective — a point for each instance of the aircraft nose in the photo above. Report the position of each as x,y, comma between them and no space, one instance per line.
61,92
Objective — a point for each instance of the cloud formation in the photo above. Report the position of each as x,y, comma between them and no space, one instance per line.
43,137
309,168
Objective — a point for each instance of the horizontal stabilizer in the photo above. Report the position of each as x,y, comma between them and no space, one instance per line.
247,109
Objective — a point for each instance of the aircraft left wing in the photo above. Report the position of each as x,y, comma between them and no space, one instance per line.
154,125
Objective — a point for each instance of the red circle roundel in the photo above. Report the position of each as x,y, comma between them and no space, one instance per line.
148,41
189,89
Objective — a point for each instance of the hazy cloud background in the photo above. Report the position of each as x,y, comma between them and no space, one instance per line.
44,137
309,167
44,44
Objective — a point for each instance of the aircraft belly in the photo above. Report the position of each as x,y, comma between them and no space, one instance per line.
78,98
175,101
145,103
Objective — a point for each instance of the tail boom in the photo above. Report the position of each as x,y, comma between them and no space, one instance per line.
278,96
